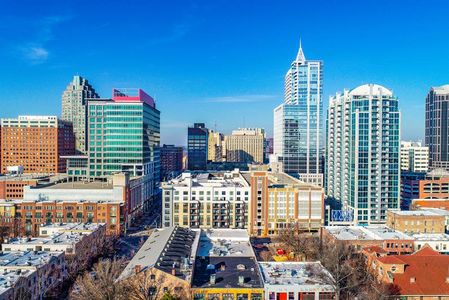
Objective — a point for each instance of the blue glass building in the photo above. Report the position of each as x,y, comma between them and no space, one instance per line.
363,152
298,121
197,147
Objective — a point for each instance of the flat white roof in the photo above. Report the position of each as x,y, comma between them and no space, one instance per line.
346,233
231,179
296,274
431,237
225,242
416,213
73,226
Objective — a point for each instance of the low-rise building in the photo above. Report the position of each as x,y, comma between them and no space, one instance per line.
416,221
435,185
133,193
30,275
431,203
296,281
392,241
206,200
72,239
421,275
279,201
437,241
11,187
165,261
226,267
32,214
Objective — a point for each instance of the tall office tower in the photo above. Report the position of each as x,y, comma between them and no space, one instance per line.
36,143
298,121
197,147
171,161
245,145
74,109
215,146
124,135
414,157
362,167
437,126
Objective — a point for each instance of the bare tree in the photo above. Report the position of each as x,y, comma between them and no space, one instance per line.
266,255
350,275
152,284
301,243
101,283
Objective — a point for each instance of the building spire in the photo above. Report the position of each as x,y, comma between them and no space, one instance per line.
300,56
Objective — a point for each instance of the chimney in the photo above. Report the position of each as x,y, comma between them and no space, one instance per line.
241,279
173,272
212,279
137,268
412,279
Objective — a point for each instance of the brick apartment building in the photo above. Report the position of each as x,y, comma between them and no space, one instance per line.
11,188
37,143
421,275
416,221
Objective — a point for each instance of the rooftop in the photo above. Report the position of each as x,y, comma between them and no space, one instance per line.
370,89
25,259
72,226
166,249
431,237
295,273
67,236
36,177
78,185
441,90
415,213
417,279
10,277
225,242
226,272
347,233
279,179
209,179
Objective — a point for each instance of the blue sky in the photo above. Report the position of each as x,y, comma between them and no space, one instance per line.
221,62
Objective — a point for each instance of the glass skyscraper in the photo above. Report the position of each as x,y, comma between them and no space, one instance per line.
124,135
298,121
74,109
197,147
437,126
363,152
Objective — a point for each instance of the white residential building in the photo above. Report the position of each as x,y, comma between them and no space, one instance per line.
71,238
414,157
362,161
206,200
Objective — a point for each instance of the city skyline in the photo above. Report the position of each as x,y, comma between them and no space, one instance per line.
190,59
